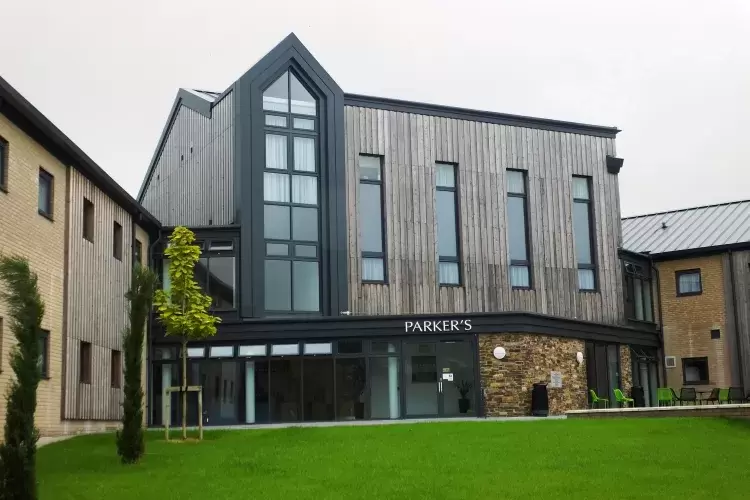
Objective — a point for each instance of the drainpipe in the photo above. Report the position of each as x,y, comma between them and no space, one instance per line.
738,338
661,322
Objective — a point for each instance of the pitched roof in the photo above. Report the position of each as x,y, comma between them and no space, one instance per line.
38,126
698,228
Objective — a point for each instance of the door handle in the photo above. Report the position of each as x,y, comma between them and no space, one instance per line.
440,385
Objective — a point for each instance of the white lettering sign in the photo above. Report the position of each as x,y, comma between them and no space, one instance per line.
555,380
446,325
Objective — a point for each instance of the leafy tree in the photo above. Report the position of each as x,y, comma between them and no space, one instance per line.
130,440
18,452
183,309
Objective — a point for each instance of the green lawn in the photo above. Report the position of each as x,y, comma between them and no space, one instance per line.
557,459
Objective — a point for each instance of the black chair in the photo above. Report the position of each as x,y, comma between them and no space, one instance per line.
735,395
687,395
713,397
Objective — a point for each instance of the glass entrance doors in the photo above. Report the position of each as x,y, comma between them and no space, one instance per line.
439,379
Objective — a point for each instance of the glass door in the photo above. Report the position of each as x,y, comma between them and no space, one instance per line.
421,379
456,384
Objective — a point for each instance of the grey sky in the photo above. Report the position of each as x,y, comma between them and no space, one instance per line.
673,75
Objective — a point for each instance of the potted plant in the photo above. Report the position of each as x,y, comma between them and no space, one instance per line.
464,387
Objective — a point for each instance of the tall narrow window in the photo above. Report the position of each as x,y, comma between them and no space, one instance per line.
518,230
88,220
3,164
116,369
638,303
46,193
215,272
583,232
138,253
84,363
291,179
371,226
117,241
447,224
44,354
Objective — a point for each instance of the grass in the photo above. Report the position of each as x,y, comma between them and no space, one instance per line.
560,459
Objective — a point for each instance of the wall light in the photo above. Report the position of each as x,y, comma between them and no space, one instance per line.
579,357
499,352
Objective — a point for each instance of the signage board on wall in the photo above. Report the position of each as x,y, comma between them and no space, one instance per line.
438,326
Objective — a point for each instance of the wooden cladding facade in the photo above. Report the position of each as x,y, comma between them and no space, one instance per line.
96,308
737,292
411,144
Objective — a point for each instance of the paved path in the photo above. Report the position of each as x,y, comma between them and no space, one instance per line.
45,440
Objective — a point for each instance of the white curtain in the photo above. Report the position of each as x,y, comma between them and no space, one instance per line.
519,276
304,124
446,175
515,182
275,187
275,121
372,269
580,188
690,283
638,298
647,306
304,154
305,189
586,279
276,152
448,273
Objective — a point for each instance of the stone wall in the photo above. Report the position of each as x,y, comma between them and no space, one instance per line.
530,358
626,369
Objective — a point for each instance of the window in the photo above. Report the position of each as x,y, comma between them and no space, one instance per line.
695,371
84,363
371,219
46,193
638,300
291,218
518,230
138,253
44,354
117,241
116,367
583,233
215,272
3,164
88,220
446,208
689,282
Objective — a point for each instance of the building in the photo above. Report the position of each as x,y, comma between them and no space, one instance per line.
81,233
701,257
376,258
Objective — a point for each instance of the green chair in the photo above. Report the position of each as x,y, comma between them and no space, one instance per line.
723,396
664,396
621,399
597,401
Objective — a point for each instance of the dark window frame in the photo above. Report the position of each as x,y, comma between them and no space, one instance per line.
88,228
383,221
50,201
207,253
84,362
115,360
630,276
4,162
527,229
117,240
678,274
44,354
592,236
137,252
456,205
705,381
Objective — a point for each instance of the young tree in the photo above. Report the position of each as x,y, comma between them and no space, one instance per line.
18,451
130,442
183,309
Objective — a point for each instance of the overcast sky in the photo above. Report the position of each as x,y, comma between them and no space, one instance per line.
673,75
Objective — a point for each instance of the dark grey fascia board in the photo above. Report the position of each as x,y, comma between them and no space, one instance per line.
190,101
392,326
614,164
700,252
421,108
624,252
38,126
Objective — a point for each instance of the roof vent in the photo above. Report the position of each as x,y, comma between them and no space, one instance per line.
663,225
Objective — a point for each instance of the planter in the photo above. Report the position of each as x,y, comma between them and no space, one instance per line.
359,410
463,405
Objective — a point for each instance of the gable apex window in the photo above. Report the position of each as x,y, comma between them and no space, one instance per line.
583,232
689,282
291,198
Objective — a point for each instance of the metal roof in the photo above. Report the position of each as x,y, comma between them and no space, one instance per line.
696,228
206,94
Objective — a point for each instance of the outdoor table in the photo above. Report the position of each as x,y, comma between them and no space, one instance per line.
700,395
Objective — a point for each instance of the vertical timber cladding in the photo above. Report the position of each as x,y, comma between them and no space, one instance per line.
411,144
97,309
738,308
192,182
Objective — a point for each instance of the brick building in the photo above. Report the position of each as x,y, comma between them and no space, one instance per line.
80,232
701,258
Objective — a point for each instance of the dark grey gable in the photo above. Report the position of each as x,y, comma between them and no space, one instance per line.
249,155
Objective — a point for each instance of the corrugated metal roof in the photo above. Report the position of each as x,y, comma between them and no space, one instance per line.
688,229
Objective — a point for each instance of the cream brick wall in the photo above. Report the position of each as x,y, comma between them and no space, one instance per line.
24,232
688,321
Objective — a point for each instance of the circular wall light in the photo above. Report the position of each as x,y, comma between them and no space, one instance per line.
499,352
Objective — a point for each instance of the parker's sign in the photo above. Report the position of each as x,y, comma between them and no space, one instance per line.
446,325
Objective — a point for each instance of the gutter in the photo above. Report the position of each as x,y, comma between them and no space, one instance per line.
738,338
